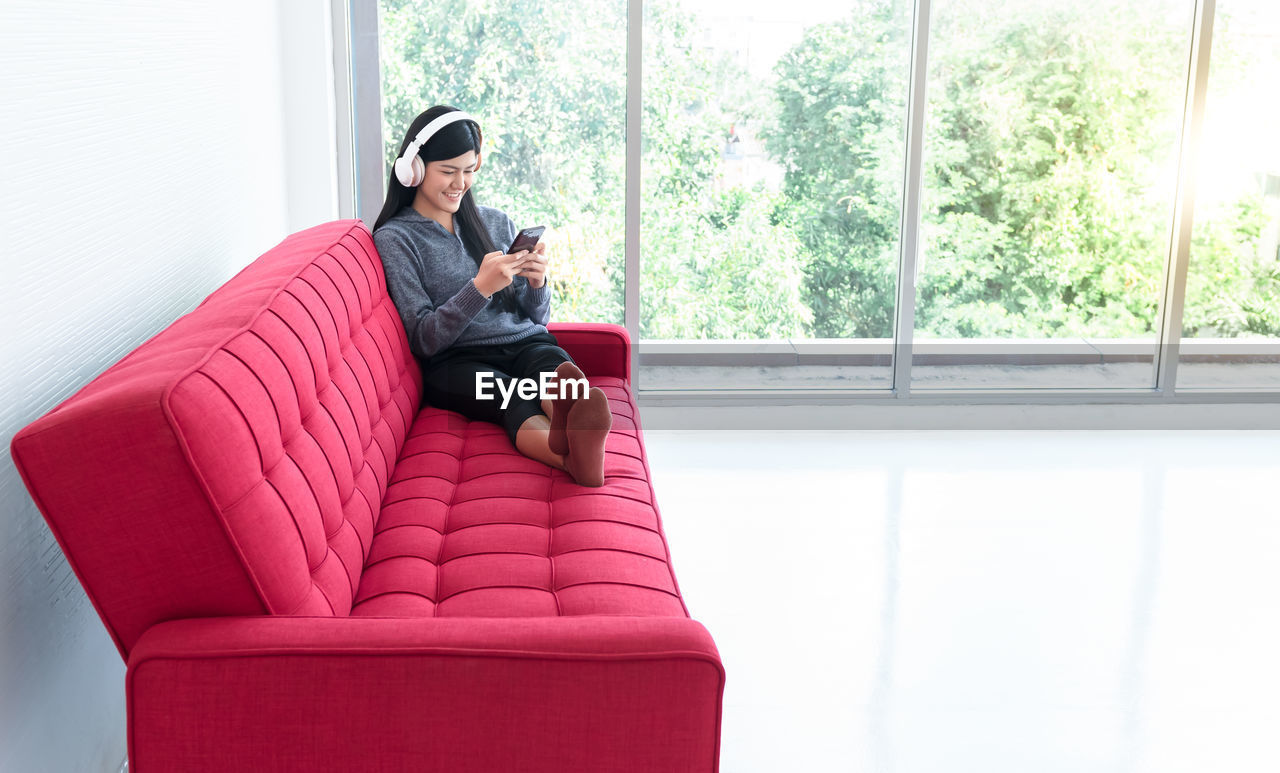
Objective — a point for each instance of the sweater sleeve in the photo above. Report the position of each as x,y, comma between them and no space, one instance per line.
431,328
536,302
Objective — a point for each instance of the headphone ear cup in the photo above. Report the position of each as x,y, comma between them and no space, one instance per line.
479,159
410,170
404,170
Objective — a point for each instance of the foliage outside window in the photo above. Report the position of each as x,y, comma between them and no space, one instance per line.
1050,137
1234,272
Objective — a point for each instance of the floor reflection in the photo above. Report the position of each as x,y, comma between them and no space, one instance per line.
911,601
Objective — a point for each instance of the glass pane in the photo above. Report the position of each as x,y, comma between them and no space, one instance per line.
772,183
1050,167
548,83
1231,321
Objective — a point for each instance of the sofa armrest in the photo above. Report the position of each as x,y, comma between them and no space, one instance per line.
392,694
600,349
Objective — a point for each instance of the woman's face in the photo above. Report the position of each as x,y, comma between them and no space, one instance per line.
446,181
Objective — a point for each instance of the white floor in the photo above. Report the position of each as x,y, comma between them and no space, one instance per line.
911,601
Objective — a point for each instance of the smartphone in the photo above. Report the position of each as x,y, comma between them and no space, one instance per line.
526,239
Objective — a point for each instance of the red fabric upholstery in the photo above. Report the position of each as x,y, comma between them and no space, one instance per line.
268,419
549,694
600,350
266,456
471,528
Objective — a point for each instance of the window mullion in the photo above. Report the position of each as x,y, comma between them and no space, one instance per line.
909,231
1165,361
631,259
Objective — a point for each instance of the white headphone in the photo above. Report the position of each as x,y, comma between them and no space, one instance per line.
409,167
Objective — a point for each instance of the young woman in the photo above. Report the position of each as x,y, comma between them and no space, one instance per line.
475,315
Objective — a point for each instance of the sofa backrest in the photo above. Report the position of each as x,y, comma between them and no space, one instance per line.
234,463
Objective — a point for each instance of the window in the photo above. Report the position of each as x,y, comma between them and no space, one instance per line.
773,168
1051,152
1231,323
776,167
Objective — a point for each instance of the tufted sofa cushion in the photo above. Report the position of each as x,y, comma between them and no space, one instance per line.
470,527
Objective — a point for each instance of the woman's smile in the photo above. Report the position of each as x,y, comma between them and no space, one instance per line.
447,181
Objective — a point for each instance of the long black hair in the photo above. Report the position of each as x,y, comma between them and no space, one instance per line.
450,142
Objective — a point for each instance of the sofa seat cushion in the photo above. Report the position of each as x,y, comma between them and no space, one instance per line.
470,527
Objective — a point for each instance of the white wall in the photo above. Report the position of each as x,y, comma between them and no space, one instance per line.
144,161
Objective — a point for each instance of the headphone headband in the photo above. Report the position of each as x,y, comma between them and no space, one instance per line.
435,125
404,164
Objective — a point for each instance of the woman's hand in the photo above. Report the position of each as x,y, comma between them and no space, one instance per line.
497,270
535,266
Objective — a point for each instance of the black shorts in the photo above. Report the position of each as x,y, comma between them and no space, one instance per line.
449,378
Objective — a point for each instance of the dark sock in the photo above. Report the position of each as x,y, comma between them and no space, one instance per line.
588,429
560,407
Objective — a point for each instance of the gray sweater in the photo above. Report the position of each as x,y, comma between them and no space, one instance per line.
430,278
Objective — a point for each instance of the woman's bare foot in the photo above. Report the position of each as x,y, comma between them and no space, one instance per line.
587,428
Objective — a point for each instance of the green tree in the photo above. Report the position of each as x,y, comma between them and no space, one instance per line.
839,136
1231,290
1051,130
715,263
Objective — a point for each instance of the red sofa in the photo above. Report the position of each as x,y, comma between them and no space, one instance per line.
304,570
